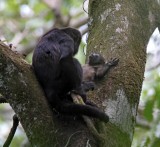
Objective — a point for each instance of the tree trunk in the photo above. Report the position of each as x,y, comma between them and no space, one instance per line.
121,29
117,29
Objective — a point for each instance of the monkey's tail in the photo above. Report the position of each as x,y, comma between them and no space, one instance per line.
78,109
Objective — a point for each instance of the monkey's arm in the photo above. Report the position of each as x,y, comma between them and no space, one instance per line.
88,85
103,69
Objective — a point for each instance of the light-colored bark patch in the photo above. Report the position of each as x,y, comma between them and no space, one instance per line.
118,6
121,112
104,15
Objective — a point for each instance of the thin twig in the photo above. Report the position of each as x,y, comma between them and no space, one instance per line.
83,6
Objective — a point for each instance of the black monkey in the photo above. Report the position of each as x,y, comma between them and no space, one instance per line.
59,73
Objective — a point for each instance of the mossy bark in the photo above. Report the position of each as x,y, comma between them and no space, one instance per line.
121,29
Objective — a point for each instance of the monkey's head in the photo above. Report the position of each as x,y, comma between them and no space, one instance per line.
75,35
64,41
96,59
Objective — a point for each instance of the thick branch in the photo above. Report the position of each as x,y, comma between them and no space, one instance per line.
20,88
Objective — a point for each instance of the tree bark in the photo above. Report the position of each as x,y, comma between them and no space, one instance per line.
116,29
121,29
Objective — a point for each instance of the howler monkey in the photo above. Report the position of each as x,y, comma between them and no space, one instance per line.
96,68
59,73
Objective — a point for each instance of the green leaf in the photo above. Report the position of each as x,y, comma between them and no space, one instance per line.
147,142
157,95
149,110
156,143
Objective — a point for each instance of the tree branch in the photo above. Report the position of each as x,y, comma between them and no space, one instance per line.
21,90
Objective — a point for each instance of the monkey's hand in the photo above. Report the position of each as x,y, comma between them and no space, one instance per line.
88,85
113,62
80,91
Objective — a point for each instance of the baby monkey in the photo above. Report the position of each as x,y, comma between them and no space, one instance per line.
95,69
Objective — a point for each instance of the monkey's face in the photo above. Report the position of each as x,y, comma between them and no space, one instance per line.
95,59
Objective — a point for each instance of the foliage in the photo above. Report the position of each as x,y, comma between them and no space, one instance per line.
24,21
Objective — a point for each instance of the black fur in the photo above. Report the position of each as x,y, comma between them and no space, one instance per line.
59,73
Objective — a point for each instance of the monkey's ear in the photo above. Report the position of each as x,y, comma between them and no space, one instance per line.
75,35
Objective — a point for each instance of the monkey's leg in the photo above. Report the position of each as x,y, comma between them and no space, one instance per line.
88,85
78,100
12,131
79,109
73,74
